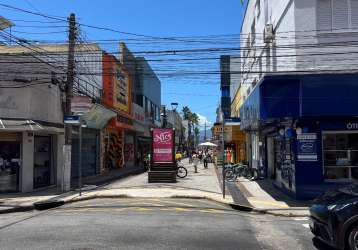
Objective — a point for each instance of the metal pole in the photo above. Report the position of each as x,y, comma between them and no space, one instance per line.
223,151
80,158
205,133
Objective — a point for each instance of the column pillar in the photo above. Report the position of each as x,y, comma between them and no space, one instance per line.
27,164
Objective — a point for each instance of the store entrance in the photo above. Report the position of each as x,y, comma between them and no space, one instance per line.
42,162
9,166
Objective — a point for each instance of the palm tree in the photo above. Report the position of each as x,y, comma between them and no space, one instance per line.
196,132
193,120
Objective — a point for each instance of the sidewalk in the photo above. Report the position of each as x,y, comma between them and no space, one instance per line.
202,185
264,197
19,202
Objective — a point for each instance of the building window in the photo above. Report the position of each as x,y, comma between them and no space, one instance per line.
337,14
340,156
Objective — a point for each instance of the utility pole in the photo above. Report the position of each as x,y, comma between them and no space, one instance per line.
66,185
223,151
205,132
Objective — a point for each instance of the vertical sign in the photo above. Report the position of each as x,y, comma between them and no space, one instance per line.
121,89
307,147
163,144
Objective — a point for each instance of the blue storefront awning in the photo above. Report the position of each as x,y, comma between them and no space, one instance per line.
300,96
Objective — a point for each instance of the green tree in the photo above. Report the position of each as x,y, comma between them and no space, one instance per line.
193,121
197,133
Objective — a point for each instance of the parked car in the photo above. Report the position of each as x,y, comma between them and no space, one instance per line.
334,218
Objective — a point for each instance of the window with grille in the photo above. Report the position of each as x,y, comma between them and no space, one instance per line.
337,14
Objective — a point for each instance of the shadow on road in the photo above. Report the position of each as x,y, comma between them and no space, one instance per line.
321,245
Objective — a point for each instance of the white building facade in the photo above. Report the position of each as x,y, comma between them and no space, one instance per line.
298,76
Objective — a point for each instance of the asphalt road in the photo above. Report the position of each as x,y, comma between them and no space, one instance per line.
151,224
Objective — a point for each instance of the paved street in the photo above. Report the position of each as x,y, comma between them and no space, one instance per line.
151,223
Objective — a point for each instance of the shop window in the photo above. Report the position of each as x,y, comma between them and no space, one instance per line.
9,166
340,155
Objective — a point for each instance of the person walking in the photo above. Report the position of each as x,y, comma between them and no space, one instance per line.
206,159
195,162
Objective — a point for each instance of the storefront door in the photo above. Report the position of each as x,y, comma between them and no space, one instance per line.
42,161
90,151
10,152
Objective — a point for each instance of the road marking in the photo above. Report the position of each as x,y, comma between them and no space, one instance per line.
180,209
301,218
275,204
306,225
143,209
177,203
147,203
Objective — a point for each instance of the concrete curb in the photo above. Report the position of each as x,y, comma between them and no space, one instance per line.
280,214
17,209
70,200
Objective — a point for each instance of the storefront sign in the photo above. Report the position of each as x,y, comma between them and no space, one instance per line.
352,126
307,147
121,90
163,144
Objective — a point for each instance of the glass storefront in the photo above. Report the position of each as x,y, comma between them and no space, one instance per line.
42,161
340,155
9,166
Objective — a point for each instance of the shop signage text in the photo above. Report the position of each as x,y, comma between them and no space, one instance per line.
352,126
307,147
163,143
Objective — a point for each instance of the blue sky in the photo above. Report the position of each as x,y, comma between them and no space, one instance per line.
160,18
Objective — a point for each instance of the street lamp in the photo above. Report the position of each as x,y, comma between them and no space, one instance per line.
163,114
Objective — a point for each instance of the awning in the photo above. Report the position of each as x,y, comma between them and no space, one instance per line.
295,96
17,125
98,116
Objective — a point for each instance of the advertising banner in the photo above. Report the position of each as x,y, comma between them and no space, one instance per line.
121,90
163,144
307,147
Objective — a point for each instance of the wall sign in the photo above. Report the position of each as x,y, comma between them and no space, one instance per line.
307,147
163,145
352,126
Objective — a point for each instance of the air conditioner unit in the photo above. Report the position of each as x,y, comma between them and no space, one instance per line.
268,33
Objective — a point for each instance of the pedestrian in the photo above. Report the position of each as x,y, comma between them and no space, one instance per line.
2,163
206,158
201,156
195,161
190,157
178,156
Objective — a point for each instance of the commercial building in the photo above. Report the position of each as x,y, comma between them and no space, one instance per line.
32,127
174,120
118,139
298,89
146,98
234,137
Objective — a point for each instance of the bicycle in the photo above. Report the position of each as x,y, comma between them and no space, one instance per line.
182,172
233,171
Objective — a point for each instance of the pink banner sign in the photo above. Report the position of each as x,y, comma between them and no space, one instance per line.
163,144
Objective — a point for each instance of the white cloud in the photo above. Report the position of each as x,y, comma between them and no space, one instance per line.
202,120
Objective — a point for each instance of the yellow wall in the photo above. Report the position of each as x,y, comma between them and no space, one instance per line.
236,104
